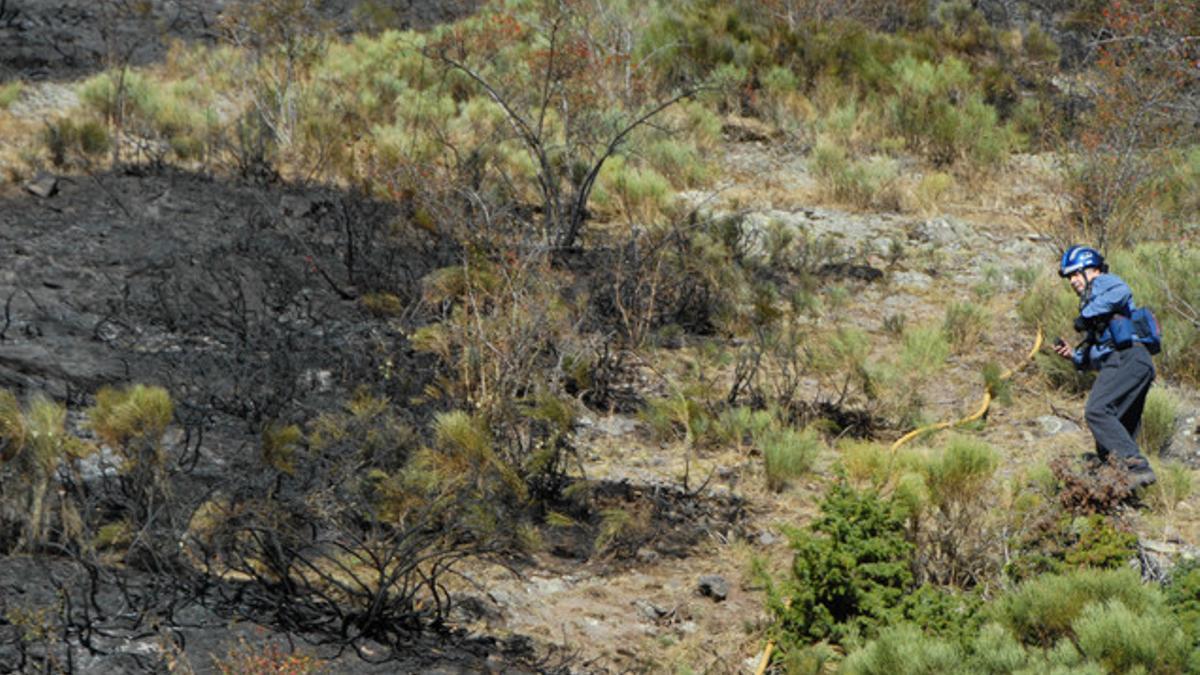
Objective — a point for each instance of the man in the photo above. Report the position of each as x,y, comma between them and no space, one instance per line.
1114,406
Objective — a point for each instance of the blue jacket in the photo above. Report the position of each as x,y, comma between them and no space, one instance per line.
1106,295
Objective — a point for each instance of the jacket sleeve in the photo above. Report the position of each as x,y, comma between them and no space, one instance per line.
1109,294
1080,357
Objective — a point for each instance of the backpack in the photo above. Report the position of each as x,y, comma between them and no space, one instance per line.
1140,326
1146,329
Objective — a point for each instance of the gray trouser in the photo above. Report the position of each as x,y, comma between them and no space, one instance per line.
1114,408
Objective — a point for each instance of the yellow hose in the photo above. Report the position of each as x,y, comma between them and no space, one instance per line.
984,404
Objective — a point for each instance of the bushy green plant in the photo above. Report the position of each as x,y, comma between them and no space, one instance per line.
869,183
133,421
740,425
34,445
849,572
1175,484
933,190
176,113
678,417
1124,641
10,92
924,351
955,528
65,138
1158,421
905,650
692,41
1042,611
941,115
1054,542
867,463
1180,189
787,453
1183,595
958,472
965,324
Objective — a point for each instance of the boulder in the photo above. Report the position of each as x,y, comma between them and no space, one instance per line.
714,586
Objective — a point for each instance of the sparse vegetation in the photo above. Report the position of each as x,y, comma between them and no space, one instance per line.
592,296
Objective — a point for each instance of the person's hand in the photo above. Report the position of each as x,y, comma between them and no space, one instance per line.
1063,349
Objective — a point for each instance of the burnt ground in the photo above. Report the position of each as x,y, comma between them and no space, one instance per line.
61,39
242,300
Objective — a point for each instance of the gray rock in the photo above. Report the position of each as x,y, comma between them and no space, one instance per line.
646,555
502,598
1051,425
648,610
913,280
43,185
547,586
611,425
1185,441
940,230
714,586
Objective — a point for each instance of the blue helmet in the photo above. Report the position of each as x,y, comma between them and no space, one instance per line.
1079,258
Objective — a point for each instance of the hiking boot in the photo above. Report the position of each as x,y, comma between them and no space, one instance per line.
1139,474
1092,461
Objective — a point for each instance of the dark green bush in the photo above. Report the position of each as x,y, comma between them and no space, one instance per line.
1057,544
1183,596
850,572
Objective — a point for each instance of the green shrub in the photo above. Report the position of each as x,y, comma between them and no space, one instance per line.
1158,421
1179,193
933,189
939,113
787,454
10,92
957,474
1056,544
905,650
64,138
34,447
996,652
868,462
675,418
1126,641
1100,545
1175,484
924,351
965,325
1041,611
1183,595
956,530
850,570
741,425
178,113
870,183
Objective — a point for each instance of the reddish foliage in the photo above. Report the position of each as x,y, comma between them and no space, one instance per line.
1099,488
